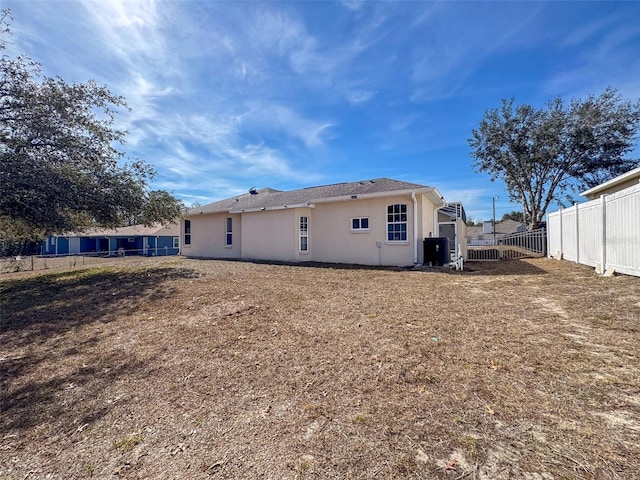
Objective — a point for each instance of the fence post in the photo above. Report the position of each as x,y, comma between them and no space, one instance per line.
577,233
603,206
561,246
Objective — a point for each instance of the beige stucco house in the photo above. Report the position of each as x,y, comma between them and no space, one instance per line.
371,222
621,182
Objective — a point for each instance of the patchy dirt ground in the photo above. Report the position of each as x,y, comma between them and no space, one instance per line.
174,368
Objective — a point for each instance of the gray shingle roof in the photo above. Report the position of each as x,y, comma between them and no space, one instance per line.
269,198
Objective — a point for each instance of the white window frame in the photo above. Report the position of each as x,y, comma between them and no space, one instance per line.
228,237
359,228
303,230
397,217
176,242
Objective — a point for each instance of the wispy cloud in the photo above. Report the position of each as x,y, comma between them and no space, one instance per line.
614,54
225,95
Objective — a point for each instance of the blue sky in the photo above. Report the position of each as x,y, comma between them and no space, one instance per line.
230,95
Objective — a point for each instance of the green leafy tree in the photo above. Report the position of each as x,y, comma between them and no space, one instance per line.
546,154
61,169
514,215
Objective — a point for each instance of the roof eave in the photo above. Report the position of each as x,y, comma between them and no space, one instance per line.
625,177
431,192
436,196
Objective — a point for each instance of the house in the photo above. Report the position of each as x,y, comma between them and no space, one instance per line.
484,234
370,222
134,240
616,184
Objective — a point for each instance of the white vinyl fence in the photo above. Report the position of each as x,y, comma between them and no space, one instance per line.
603,233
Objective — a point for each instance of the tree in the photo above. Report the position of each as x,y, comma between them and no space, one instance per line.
513,215
60,166
472,222
544,154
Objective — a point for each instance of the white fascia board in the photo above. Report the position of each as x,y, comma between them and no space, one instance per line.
424,190
613,182
278,207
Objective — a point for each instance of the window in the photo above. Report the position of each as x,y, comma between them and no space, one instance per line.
53,241
229,232
176,242
187,232
304,234
360,224
397,223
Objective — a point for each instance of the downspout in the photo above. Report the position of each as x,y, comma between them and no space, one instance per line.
415,228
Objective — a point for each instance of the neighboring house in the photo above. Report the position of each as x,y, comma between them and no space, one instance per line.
370,222
135,240
483,234
621,182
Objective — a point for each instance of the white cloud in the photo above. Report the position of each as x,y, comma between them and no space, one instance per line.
356,97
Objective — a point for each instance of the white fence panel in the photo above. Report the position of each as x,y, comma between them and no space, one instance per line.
569,234
590,233
602,233
623,231
554,231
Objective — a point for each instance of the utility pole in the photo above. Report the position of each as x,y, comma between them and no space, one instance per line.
493,199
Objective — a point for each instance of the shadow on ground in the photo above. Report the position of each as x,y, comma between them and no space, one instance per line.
39,314
502,267
37,308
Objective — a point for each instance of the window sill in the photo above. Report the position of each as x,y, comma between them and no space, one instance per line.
396,242
228,246
359,231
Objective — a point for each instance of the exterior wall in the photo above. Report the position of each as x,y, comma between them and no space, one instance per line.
332,240
615,188
427,225
161,246
208,236
88,244
271,235
63,246
164,246
274,234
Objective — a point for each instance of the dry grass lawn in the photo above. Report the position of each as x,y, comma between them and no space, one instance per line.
174,368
